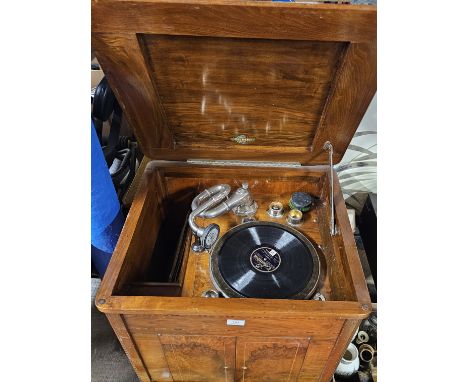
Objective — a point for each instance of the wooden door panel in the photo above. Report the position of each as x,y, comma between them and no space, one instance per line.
200,358
269,359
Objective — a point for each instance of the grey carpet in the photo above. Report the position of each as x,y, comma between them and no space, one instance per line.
108,360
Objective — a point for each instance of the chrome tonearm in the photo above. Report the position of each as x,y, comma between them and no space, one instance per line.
211,203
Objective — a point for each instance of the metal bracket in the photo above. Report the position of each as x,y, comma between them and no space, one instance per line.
329,147
240,163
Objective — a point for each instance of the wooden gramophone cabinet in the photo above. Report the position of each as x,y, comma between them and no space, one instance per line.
226,91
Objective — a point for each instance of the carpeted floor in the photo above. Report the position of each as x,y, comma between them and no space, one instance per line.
108,360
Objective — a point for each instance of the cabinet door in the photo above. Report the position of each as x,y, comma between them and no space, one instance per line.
269,359
200,358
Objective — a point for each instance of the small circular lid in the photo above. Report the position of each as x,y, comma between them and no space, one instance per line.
301,201
294,217
275,210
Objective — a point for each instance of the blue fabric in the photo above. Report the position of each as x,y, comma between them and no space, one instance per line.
107,239
106,217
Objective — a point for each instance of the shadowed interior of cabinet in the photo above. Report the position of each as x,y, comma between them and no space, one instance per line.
149,270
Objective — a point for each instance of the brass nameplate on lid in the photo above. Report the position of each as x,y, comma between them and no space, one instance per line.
242,139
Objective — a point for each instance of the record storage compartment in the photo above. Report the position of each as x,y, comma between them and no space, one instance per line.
170,337
206,85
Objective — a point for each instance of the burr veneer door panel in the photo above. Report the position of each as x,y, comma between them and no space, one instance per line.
200,358
261,359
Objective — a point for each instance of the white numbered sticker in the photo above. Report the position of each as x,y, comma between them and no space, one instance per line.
235,322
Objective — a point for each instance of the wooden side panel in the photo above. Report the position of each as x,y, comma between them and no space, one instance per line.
273,181
151,289
342,288
124,65
152,354
342,342
139,251
132,254
347,246
355,85
129,347
346,275
199,358
269,359
315,359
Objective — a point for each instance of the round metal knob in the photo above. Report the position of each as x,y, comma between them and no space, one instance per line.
210,293
275,210
301,201
294,217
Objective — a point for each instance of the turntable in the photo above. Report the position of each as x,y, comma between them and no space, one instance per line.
265,260
225,93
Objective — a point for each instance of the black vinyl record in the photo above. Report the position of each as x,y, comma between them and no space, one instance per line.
265,260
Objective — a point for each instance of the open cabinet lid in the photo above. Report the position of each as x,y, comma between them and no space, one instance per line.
238,80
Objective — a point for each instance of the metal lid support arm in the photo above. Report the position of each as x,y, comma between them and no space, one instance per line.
329,147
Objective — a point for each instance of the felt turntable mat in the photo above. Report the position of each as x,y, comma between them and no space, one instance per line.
265,262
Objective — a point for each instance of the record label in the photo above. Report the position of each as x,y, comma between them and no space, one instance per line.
265,259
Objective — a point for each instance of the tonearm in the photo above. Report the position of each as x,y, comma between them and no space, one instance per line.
214,202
